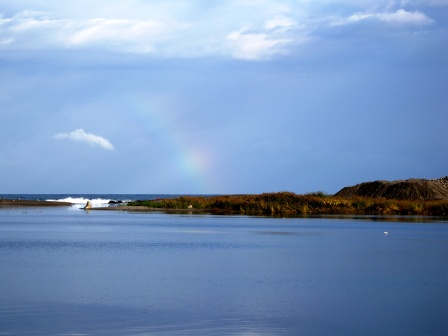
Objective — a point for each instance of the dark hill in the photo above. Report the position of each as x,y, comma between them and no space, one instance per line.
410,190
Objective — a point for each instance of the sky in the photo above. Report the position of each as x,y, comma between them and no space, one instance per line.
219,97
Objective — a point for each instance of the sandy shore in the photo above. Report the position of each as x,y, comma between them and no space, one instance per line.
18,203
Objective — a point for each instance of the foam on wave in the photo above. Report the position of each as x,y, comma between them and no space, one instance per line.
82,200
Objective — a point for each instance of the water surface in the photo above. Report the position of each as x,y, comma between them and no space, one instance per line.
65,271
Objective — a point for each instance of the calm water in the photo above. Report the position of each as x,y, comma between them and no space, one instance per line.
64,271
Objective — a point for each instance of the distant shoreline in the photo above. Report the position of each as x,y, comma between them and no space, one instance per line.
23,203
290,204
281,204
37,203
149,209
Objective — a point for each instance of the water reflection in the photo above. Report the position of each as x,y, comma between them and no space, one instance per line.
50,318
68,272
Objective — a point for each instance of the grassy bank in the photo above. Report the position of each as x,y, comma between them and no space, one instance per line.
290,204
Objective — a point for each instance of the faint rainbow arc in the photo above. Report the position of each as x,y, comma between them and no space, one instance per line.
190,161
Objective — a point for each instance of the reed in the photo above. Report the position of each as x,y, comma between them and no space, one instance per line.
290,204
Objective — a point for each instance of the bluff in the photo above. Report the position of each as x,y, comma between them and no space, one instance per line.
409,190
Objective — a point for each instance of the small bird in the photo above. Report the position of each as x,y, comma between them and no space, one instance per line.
386,233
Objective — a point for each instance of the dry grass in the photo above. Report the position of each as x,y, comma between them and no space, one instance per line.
290,204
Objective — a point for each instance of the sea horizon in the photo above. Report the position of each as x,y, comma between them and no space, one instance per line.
94,198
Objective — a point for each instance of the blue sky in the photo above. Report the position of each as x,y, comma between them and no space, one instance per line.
220,97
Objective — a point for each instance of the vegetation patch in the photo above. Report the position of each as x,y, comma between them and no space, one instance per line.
290,204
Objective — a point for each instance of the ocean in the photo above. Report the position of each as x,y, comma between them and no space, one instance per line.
95,199
67,271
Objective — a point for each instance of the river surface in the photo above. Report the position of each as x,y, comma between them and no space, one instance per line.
65,271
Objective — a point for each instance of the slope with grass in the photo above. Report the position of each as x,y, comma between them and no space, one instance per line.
408,190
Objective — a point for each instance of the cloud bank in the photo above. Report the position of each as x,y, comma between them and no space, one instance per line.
82,136
246,30
398,17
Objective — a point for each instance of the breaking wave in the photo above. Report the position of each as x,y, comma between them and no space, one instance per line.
83,201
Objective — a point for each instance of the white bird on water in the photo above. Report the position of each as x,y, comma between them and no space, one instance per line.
386,233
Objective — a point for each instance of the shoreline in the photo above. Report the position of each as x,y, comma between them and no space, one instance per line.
282,204
4,202
142,208
8,203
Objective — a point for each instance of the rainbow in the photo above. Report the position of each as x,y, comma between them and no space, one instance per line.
187,162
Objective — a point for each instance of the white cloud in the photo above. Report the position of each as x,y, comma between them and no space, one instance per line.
400,16
31,30
280,21
404,17
243,29
82,136
254,46
123,35
34,30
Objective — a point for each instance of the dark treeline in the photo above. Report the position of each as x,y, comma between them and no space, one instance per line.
290,204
